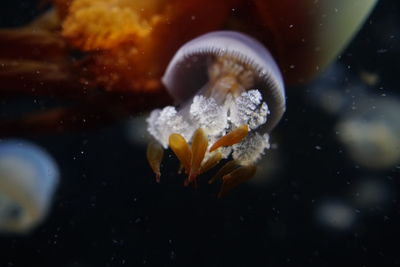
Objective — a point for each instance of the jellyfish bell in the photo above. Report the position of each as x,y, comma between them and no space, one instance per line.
225,61
28,179
230,95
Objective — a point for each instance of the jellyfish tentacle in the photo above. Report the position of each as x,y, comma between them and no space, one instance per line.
37,40
211,162
236,177
155,154
199,149
182,150
233,137
227,168
42,78
34,59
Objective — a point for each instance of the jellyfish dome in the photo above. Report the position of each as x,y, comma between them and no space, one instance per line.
28,179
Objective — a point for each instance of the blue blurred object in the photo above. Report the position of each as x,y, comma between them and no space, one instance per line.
28,179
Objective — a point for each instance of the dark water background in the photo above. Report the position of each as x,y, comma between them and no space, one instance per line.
108,211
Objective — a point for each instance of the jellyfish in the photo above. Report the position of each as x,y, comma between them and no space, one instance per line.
28,179
230,95
370,132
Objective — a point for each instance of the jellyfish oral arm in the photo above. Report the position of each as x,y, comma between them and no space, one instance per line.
214,132
224,132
